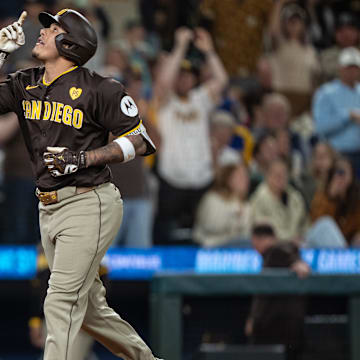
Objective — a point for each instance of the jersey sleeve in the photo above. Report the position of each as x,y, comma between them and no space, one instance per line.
118,112
7,97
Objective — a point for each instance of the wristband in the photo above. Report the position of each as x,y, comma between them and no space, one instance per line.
82,160
127,148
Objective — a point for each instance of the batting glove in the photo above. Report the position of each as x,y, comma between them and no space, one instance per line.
11,37
61,161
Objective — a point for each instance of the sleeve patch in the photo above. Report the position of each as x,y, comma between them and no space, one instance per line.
128,106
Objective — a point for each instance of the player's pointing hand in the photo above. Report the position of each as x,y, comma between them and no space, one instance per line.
12,36
22,18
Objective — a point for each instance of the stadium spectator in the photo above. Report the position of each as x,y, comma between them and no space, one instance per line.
336,108
294,62
346,35
275,114
340,200
138,50
321,161
234,101
265,152
292,156
137,40
277,319
238,28
116,64
276,117
222,129
185,165
223,216
278,204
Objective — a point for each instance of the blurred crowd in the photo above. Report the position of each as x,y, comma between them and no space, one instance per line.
254,107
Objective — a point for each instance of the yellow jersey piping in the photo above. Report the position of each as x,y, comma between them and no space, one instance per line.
130,131
63,73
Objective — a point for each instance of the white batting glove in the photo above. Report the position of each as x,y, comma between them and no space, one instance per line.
12,36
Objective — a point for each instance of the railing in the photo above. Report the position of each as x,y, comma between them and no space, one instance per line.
167,291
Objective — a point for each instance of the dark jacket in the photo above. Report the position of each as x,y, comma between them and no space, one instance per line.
279,319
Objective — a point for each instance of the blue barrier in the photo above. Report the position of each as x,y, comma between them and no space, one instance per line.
19,262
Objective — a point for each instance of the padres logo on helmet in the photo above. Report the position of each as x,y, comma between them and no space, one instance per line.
79,43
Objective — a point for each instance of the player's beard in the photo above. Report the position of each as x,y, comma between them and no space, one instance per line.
34,53
39,53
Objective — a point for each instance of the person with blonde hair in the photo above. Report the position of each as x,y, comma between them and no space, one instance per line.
223,216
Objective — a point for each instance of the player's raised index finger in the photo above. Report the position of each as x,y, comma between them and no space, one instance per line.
22,18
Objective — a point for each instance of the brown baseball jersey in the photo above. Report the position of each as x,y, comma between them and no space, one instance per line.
76,110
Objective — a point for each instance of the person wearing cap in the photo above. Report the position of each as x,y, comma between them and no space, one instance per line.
346,35
185,102
222,129
336,108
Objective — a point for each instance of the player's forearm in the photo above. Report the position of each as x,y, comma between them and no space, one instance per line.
113,153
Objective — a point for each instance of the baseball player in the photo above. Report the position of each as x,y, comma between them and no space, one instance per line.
83,344
66,113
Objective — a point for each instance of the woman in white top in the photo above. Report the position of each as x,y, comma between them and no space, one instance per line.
223,216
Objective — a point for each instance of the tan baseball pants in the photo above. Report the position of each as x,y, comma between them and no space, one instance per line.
82,345
76,233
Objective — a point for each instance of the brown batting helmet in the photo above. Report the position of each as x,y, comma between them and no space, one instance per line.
79,43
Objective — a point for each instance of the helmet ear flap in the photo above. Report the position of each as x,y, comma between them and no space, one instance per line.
67,44
65,47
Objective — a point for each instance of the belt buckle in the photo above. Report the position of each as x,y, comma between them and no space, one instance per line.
47,197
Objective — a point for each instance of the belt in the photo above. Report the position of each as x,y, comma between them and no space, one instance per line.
52,197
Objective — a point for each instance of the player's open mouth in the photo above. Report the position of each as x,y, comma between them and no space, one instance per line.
40,42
